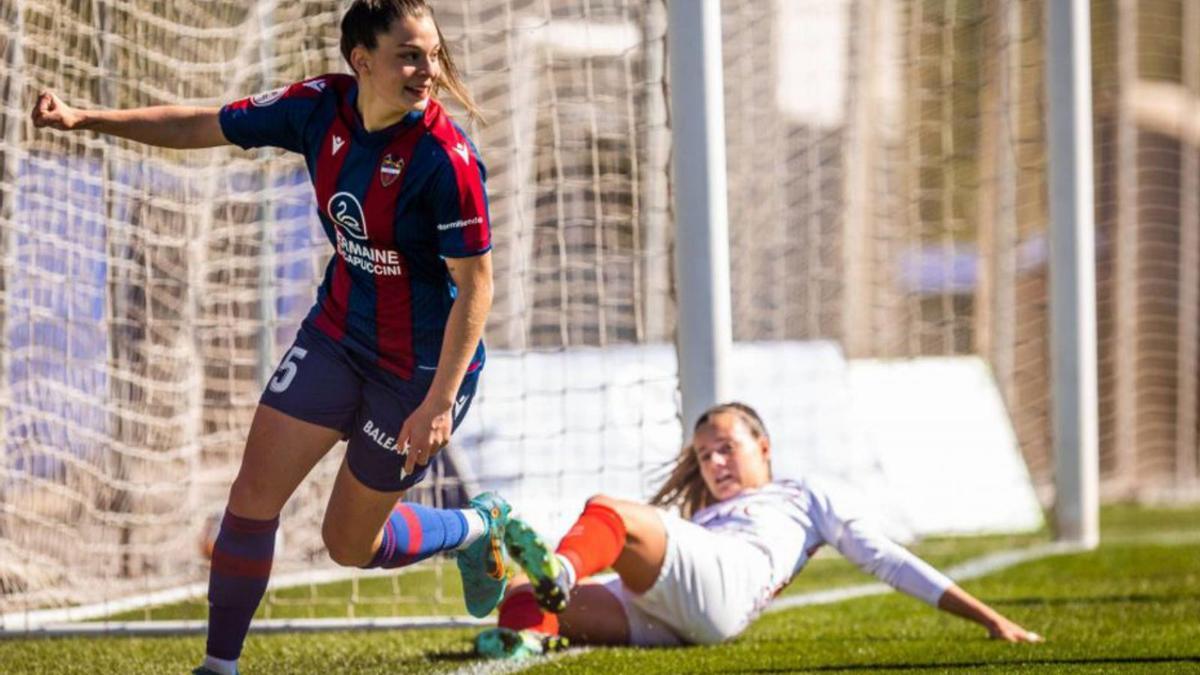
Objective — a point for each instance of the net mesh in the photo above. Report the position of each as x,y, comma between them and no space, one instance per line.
887,192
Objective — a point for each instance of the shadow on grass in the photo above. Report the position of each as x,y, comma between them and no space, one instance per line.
974,665
452,657
1097,600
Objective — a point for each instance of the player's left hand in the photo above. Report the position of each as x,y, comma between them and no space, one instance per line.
427,431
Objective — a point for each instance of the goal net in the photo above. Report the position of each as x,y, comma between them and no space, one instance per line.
887,200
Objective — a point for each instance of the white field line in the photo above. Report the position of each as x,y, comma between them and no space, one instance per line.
971,569
987,564
58,622
157,628
508,667
34,620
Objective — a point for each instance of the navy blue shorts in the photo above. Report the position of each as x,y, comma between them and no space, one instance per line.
321,382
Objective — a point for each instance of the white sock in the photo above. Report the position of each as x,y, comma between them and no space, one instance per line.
220,666
570,569
476,528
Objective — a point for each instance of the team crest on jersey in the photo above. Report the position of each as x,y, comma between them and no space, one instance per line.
346,211
390,169
266,98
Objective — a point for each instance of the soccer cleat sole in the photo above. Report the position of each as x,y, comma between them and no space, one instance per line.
550,596
555,643
506,643
538,561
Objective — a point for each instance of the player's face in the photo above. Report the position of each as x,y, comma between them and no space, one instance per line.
404,64
731,458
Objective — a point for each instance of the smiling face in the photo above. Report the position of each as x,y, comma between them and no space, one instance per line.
399,73
731,459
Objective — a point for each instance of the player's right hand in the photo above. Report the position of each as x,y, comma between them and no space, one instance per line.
50,111
1010,632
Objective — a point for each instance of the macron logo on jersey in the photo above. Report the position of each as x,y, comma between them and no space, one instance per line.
316,85
461,149
458,406
338,142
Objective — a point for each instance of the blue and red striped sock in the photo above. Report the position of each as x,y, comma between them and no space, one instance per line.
241,566
414,532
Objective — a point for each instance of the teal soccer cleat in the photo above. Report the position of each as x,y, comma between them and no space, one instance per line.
516,645
482,563
546,573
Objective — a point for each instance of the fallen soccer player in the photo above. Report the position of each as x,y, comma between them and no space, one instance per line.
703,576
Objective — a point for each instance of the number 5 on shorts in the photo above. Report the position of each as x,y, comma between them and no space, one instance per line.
287,370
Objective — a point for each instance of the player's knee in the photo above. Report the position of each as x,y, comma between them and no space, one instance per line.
636,519
601,500
631,517
349,558
620,506
249,496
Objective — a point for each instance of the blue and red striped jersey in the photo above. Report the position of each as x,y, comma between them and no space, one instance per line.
393,203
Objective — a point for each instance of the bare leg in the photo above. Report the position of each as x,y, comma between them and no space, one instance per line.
593,614
645,547
627,536
354,519
280,451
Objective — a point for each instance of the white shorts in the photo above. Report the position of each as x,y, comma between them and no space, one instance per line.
711,586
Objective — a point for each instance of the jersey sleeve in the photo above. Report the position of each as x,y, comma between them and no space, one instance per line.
863,544
274,118
458,200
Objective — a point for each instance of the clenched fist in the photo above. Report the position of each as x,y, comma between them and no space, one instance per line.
50,111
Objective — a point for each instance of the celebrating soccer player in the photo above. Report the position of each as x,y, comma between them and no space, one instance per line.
391,351
701,578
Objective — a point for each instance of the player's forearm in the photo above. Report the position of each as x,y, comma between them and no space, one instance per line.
164,126
464,329
961,603
891,563
958,602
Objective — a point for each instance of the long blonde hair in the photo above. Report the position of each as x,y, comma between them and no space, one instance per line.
365,20
684,485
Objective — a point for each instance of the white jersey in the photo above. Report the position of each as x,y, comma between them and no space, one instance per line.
789,520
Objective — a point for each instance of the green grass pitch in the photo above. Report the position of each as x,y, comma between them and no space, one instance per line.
1131,606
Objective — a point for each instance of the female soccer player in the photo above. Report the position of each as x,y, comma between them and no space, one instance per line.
701,578
389,355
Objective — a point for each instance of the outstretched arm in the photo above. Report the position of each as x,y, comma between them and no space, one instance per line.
167,126
961,603
863,545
